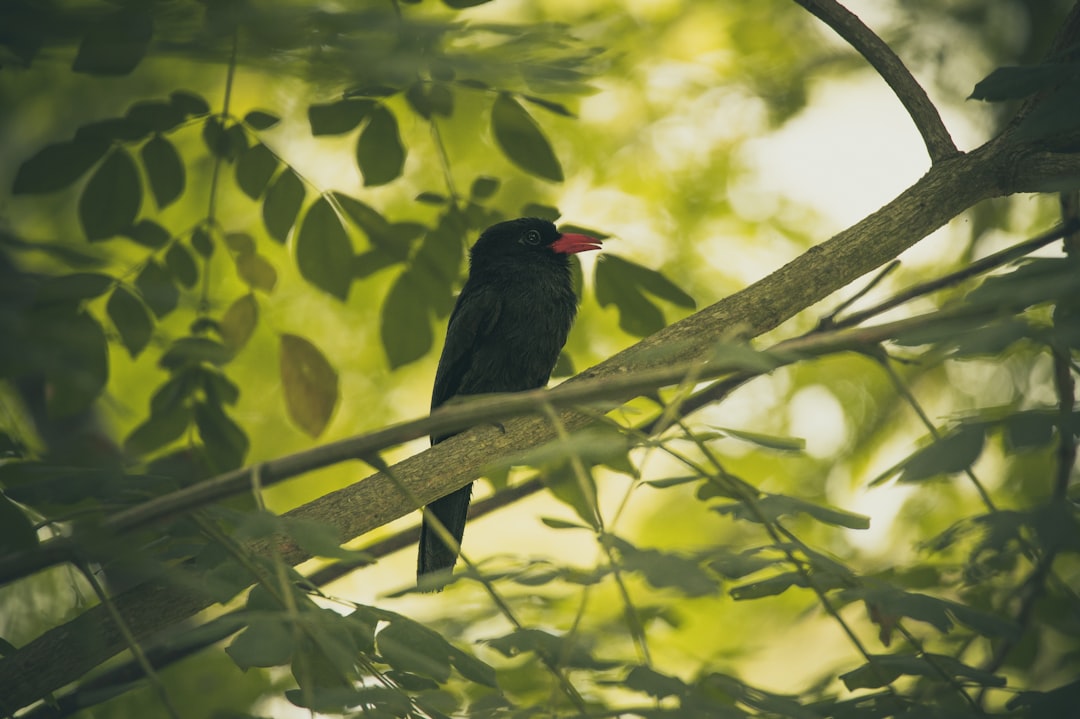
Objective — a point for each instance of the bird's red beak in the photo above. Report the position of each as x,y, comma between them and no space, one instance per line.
570,243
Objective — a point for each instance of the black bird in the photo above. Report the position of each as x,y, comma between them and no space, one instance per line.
505,334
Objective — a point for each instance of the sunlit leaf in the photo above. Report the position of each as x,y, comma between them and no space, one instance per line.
324,254
379,151
238,322
282,204
310,383
768,441
110,200
257,271
164,170
522,141
131,319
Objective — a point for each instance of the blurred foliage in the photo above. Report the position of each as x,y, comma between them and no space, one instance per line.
235,226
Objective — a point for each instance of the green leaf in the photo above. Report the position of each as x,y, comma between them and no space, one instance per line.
522,141
238,322
17,532
310,383
75,287
254,169
261,120
201,241
131,319
256,271
282,204
188,351
67,346
653,683
462,4
768,587
557,107
1013,83
665,569
624,284
149,234
886,668
774,506
410,647
154,116
57,166
379,151
163,427
240,243
115,43
954,452
338,117
110,200
405,324
768,441
472,668
164,170
157,289
484,187
226,444
182,265
189,103
265,643
324,254
564,651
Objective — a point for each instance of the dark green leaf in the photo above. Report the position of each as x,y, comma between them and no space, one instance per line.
522,141
240,243
310,383
323,251
461,4
193,350
189,103
484,187
111,199
624,284
282,204
665,569
774,506
219,389
149,234
65,345
157,289
320,539
131,319
410,647
261,120
432,198
953,453
768,587
368,219
216,138
57,166
75,287
1013,83
153,116
338,117
238,322
265,643
651,682
160,429
201,241
164,169
405,326
226,444
115,43
379,151
254,170
17,532
182,265
557,107
472,668
885,668
564,651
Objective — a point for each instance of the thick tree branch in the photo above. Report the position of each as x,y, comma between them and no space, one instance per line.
847,25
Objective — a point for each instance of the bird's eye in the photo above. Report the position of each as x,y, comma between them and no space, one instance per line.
532,237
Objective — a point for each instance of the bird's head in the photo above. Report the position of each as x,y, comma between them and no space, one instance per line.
529,239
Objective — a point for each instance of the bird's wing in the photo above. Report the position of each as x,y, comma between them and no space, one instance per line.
474,316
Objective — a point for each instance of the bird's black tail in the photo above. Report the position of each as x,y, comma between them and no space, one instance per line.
451,510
